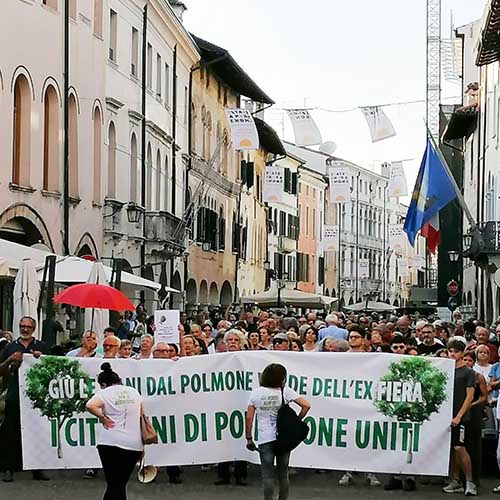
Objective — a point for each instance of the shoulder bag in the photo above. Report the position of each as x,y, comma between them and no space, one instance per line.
290,429
148,433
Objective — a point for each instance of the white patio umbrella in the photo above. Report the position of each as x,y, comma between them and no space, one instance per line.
97,319
26,295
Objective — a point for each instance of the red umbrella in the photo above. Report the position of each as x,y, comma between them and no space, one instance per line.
94,296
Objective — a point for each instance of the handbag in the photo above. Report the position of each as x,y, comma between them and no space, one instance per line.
291,430
148,432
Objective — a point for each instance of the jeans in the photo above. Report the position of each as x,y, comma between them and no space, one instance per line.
268,453
118,465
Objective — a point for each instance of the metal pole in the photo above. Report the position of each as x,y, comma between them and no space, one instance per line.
357,235
238,244
143,136
384,223
66,132
339,259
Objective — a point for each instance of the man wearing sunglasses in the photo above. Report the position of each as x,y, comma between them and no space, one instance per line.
398,344
111,346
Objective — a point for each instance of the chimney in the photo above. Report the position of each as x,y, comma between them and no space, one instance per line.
178,7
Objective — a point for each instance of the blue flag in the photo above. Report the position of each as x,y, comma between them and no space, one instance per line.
433,191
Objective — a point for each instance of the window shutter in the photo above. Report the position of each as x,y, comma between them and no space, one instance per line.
249,176
294,183
321,271
287,181
243,172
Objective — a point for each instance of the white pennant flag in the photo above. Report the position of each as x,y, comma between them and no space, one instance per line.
244,134
305,129
363,268
330,238
273,184
403,266
380,126
340,188
396,238
397,181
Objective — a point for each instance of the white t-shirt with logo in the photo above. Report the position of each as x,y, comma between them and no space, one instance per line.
267,402
122,404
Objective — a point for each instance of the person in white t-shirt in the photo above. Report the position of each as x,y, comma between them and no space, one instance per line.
119,440
264,403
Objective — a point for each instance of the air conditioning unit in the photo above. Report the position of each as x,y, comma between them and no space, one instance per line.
112,53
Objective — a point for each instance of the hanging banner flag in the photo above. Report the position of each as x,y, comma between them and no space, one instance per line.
397,181
396,238
380,126
305,129
340,188
273,184
403,266
417,262
244,134
363,268
330,238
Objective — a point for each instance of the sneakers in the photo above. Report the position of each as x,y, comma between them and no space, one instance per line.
470,489
346,479
393,484
372,480
8,476
90,474
454,487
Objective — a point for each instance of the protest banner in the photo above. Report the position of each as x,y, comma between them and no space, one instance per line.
273,184
375,412
330,238
244,135
340,188
166,326
305,130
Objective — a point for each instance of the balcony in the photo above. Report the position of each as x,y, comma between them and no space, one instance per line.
162,235
118,221
286,245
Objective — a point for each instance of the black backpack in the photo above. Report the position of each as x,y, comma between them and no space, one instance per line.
290,429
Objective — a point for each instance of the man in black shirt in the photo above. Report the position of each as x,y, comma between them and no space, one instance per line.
463,394
428,346
10,431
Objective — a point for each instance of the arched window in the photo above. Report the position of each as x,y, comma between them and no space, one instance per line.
51,140
73,147
98,17
133,169
159,181
149,176
112,161
97,152
21,132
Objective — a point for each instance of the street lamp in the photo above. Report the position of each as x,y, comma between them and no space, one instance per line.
134,213
453,255
267,265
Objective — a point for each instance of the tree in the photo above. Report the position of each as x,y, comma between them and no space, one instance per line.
60,409
433,383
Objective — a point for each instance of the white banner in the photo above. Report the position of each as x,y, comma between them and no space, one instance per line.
380,126
305,129
396,238
330,238
166,326
359,419
417,262
244,134
397,180
340,187
273,188
363,268
403,266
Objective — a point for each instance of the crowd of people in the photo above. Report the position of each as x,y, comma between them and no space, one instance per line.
471,344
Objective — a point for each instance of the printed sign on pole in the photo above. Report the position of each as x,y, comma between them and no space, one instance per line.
273,184
396,238
403,266
340,188
244,134
363,268
166,327
305,130
397,181
330,238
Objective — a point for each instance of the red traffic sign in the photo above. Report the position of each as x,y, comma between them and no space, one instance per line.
453,288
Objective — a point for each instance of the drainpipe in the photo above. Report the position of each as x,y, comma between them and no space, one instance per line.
66,132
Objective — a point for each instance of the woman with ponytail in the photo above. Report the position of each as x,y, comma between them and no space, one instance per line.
119,440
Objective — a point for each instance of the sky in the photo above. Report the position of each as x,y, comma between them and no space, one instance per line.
337,54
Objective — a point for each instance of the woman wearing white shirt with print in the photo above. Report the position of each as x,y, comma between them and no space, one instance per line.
119,440
264,403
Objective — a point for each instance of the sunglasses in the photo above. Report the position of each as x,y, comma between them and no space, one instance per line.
354,336
399,347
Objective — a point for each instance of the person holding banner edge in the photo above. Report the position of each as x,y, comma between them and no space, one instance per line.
264,403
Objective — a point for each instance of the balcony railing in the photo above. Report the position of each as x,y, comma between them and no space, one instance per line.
160,229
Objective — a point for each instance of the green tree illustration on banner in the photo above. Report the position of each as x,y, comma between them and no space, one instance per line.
38,378
433,382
